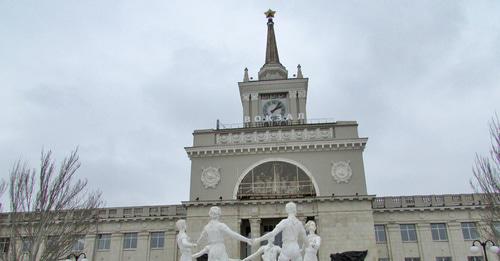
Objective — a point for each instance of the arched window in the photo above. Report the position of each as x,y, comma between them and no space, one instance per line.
275,179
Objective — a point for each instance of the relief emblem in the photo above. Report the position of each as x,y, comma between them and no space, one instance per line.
341,171
210,177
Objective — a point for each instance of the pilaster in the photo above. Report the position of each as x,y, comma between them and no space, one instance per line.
143,249
245,100
171,245
254,106
455,238
255,231
292,101
394,240
90,245
423,238
302,95
116,247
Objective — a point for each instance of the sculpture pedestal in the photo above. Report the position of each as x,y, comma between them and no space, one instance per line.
349,256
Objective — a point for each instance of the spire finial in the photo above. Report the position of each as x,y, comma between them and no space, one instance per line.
299,72
272,68
245,76
270,14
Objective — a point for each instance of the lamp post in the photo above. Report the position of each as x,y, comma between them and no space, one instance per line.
475,249
77,257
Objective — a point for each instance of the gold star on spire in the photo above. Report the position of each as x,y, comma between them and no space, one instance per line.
270,13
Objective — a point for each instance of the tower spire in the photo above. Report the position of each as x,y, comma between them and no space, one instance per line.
271,47
272,69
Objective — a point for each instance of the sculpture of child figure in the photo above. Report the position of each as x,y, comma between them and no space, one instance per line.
293,230
214,232
269,252
183,241
314,240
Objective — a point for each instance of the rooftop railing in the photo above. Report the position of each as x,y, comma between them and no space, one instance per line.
152,211
429,201
260,124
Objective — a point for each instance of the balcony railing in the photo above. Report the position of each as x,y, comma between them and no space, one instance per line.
283,189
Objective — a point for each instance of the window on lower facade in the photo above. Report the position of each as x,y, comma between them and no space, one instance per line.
412,258
130,241
383,259
4,244
496,229
439,232
380,236
469,230
103,241
52,242
408,232
26,245
443,258
79,244
157,239
474,258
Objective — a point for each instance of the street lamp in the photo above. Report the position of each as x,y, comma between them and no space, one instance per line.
476,250
77,257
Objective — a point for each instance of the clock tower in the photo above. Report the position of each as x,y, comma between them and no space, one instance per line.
279,155
274,99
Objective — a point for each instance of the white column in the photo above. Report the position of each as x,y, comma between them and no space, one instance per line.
255,231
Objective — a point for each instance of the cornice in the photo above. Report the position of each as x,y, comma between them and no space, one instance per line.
277,147
276,201
273,82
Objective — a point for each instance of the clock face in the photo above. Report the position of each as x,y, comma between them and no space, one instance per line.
275,109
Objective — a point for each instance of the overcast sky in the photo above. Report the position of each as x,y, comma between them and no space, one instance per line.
128,82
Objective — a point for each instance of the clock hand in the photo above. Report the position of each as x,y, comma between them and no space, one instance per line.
279,106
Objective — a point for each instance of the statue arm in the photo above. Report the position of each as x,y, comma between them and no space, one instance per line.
276,230
254,255
185,242
202,236
202,252
234,235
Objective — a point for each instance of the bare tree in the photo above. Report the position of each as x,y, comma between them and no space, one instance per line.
3,187
486,180
50,209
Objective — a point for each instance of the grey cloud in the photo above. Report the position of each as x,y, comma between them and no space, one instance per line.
129,81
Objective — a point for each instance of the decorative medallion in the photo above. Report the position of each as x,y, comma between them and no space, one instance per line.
341,171
210,177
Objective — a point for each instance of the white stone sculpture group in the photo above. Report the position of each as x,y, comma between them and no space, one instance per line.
291,228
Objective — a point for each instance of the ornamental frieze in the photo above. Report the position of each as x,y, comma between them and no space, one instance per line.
275,136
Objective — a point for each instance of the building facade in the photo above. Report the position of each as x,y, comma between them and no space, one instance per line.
277,155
